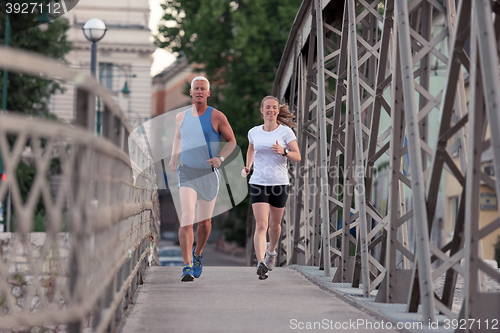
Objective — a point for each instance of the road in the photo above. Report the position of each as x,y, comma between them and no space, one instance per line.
211,257
233,299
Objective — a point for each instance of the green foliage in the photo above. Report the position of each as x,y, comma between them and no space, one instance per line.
352,249
26,174
383,165
240,44
234,227
18,279
29,94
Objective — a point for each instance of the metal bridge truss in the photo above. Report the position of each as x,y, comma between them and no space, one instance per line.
346,67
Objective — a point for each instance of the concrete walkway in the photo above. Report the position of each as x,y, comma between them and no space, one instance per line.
233,299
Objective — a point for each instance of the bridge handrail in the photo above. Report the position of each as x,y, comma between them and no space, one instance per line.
301,20
31,63
100,224
361,71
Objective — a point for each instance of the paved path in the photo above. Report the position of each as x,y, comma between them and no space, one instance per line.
211,257
233,299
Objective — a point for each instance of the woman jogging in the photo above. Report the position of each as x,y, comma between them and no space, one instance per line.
271,145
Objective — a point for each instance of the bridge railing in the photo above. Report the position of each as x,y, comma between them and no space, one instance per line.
413,85
96,224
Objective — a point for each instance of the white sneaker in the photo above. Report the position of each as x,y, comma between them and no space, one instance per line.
269,259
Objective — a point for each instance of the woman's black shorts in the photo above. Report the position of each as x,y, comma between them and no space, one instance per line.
275,195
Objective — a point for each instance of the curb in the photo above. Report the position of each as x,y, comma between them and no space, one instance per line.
349,294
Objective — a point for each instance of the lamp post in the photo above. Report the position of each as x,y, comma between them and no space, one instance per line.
5,72
4,107
94,30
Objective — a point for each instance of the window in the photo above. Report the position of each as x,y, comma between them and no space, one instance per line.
454,205
106,75
488,169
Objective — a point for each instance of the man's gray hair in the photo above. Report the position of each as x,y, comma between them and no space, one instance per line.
200,78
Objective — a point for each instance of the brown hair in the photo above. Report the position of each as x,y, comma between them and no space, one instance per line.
285,116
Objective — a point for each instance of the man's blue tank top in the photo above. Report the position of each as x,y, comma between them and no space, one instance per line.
195,133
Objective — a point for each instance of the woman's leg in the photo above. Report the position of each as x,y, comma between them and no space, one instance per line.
261,213
275,227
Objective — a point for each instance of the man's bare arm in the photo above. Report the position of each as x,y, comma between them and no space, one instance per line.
176,147
222,126
227,133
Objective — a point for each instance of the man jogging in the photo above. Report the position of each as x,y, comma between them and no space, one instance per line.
197,139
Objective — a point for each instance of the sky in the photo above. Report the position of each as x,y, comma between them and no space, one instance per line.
161,58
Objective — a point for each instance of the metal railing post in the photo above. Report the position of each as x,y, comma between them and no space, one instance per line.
359,171
417,179
322,140
85,109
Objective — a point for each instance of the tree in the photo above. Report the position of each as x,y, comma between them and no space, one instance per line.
239,43
30,94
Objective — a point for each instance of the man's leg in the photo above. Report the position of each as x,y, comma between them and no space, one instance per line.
204,215
188,198
204,212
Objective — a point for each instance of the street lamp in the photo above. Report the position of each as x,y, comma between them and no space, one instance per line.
125,90
44,19
4,108
5,71
94,30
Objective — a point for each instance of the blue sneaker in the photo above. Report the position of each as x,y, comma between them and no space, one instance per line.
187,273
197,265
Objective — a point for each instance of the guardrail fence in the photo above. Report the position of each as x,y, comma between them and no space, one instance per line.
414,85
83,228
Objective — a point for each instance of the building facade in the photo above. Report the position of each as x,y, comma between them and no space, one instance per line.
488,205
171,86
124,55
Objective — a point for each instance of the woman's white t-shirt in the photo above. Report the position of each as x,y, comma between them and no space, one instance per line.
269,168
